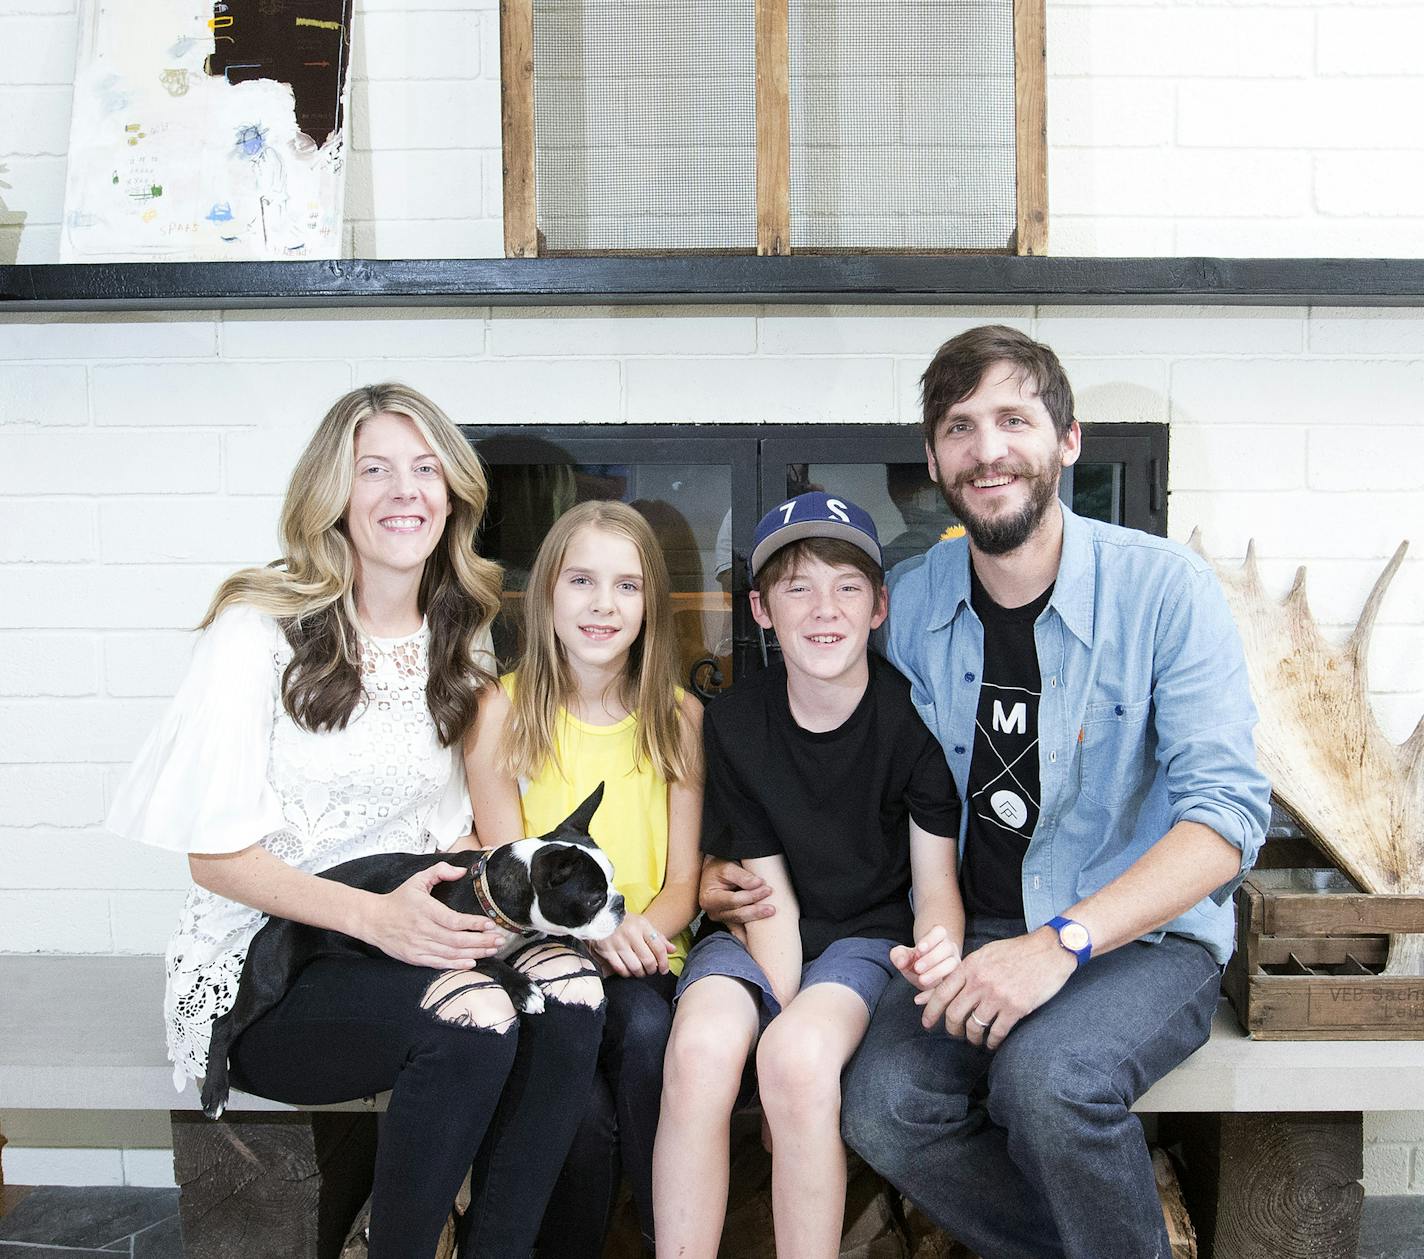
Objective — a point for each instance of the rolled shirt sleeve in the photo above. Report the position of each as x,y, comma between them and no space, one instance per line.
1205,722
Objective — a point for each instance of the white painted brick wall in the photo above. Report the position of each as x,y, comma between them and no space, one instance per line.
1394,1153
50,664
87,1148
144,456
141,457
1251,129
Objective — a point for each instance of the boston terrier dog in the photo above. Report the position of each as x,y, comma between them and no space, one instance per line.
558,884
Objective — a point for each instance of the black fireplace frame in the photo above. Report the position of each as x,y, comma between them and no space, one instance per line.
758,454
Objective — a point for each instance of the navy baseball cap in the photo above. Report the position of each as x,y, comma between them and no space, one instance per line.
814,515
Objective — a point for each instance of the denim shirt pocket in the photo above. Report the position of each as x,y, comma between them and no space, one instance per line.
924,704
1114,762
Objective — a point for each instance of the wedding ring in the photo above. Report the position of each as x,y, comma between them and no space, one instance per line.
974,1019
652,933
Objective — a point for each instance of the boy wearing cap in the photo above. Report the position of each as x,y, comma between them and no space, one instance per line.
824,782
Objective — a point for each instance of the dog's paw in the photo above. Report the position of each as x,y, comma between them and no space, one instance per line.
526,995
213,1098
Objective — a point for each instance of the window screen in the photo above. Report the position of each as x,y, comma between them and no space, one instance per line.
902,124
645,125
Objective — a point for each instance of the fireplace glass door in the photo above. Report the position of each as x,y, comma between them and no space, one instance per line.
704,487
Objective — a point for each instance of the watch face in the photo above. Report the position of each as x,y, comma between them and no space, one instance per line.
1074,936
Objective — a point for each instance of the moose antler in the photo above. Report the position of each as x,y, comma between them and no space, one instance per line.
1359,796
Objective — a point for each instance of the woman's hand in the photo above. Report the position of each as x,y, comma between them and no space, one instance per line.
636,948
410,925
930,961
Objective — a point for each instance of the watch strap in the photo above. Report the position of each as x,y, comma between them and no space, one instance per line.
1058,922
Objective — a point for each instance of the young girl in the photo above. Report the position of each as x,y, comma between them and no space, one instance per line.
594,699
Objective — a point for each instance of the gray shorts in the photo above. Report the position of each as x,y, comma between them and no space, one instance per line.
859,963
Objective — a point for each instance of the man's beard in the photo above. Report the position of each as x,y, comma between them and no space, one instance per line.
998,535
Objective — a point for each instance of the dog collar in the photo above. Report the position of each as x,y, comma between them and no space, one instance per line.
485,898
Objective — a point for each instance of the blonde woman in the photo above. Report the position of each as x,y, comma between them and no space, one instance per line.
322,719
595,699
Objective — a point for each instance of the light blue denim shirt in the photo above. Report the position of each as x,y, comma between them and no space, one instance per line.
1145,718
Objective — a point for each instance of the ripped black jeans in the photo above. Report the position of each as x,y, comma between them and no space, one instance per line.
501,1094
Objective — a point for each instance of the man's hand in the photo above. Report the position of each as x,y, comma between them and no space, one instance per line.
636,948
984,997
929,962
732,895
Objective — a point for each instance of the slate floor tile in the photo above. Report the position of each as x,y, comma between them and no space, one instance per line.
54,1222
163,1240
24,1250
60,1215
1393,1228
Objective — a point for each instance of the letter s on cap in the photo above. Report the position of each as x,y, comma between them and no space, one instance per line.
838,510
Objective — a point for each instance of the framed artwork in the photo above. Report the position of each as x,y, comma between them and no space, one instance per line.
208,132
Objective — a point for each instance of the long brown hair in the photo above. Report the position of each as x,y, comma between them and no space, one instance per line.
544,682
311,589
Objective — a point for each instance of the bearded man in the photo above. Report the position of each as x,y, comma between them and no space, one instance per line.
1088,687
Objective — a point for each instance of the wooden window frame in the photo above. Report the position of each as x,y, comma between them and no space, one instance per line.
516,108
773,129
1030,128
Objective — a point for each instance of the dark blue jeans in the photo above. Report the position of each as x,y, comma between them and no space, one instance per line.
1032,1151
502,1101
615,1135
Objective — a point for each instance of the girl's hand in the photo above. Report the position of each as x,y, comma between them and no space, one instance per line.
636,948
410,925
929,961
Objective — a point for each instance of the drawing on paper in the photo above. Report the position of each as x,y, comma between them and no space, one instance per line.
208,131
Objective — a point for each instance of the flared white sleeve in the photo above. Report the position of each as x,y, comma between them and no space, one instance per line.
200,782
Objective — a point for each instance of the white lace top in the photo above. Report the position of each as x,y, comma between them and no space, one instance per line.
227,767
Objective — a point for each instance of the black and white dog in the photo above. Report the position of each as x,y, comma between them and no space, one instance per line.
558,884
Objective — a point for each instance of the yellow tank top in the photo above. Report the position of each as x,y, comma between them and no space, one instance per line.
631,824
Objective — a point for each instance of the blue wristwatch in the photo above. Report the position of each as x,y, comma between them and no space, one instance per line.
1073,936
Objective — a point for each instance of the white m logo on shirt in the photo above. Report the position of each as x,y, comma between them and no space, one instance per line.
1015,721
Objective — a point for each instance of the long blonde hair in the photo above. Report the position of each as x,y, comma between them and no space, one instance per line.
311,589
546,684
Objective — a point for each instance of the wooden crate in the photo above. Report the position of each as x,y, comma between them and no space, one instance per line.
1309,950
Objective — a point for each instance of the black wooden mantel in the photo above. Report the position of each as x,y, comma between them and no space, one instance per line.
840,279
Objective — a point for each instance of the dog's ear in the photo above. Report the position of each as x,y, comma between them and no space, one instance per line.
574,828
557,865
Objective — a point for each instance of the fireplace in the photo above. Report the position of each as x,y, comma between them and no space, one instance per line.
704,487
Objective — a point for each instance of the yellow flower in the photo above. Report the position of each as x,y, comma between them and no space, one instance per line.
952,531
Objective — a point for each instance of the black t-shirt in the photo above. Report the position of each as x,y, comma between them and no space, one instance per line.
837,804
1003,771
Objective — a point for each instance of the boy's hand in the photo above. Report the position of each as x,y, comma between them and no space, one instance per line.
998,985
929,961
730,893
635,948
